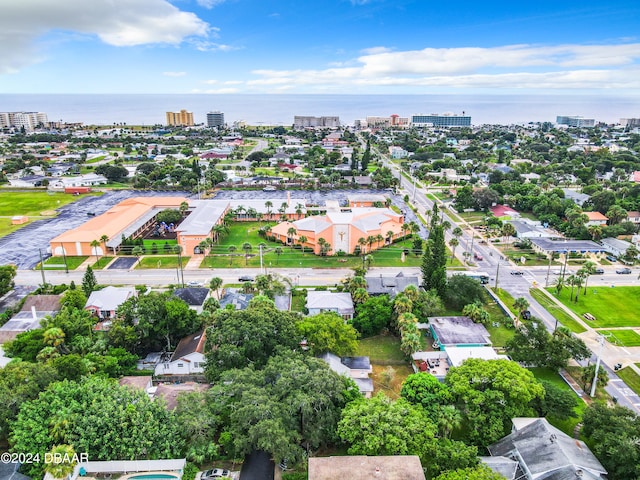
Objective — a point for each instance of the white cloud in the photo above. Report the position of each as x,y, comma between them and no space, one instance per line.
209,3
174,74
123,23
511,66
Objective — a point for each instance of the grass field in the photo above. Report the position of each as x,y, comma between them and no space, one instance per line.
30,204
247,232
612,307
507,299
568,425
169,261
57,263
631,378
622,338
563,317
382,350
101,263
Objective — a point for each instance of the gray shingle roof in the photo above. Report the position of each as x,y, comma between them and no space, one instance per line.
192,296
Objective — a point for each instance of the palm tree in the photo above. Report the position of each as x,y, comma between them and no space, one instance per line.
405,229
63,464
283,209
203,247
299,208
370,240
278,252
104,239
301,241
379,238
291,232
362,242
453,243
402,304
138,251
579,278
246,246
359,295
571,282
252,212
589,268
355,283
595,231
449,419
390,236
411,292
269,205
521,305
476,313
184,206
232,248
508,230
267,230
456,232
217,230
415,228
95,244
214,284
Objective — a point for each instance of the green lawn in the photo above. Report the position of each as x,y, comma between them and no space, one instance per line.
507,299
57,263
622,338
631,378
31,204
612,307
382,350
563,317
247,232
169,261
568,425
298,301
101,263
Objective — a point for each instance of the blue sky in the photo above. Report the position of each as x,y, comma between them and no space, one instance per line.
322,46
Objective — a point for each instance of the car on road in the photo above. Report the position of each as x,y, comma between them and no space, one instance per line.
611,258
477,256
194,283
599,271
517,272
245,278
623,271
562,272
215,473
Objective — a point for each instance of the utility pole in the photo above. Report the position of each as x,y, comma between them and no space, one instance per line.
64,256
546,282
44,282
261,268
595,375
497,275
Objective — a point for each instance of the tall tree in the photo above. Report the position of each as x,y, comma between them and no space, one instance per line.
434,262
89,282
328,332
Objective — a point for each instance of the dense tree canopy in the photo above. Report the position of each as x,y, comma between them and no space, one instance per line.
463,290
238,338
490,393
328,332
98,417
373,315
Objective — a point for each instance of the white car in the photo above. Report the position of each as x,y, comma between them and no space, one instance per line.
193,283
215,473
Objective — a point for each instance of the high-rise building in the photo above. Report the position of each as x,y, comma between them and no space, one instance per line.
181,118
384,122
215,119
300,121
630,122
28,120
575,121
441,120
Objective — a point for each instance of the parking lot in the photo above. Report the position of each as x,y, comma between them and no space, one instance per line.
23,247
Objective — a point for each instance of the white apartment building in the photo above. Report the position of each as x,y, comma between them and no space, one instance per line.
28,120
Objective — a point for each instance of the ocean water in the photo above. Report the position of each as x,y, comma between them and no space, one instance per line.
136,109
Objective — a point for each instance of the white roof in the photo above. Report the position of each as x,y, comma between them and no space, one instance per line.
202,219
123,466
109,298
323,299
457,355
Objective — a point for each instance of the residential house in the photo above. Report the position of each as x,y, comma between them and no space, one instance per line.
577,197
34,309
362,467
195,297
504,211
547,246
188,357
615,247
391,286
239,300
595,218
530,229
356,368
325,301
458,332
633,217
544,452
104,303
